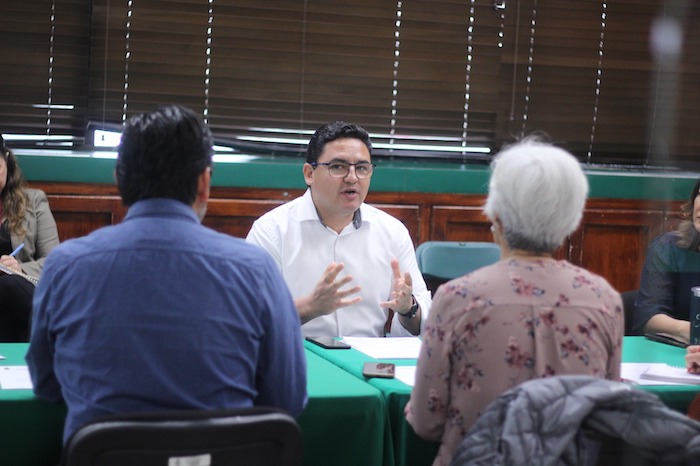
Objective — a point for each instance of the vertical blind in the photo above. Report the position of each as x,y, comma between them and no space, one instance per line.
448,74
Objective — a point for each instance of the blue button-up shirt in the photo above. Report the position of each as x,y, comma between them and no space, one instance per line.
160,312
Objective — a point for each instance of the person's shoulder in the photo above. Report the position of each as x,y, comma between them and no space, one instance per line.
34,194
665,245
376,215
283,210
68,253
670,238
584,276
235,249
497,273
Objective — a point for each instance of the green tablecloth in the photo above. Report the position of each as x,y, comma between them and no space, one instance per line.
345,422
409,449
640,349
350,420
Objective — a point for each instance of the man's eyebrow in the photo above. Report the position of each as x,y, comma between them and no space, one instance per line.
345,161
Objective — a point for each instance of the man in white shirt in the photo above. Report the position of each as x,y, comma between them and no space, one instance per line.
341,258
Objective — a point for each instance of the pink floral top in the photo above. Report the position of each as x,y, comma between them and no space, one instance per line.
499,326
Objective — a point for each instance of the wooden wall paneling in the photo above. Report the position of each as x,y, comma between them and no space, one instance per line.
418,203
76,189
269,194
408,214
77,216
611,241
613,244
459,223
236,216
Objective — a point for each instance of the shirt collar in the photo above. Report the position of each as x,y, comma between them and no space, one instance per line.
161,207
308,211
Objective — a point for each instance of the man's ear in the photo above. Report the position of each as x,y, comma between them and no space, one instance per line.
308,174
204,185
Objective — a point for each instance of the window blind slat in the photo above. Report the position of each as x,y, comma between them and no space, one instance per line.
434,70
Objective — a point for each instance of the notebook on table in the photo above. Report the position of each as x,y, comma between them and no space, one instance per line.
668,373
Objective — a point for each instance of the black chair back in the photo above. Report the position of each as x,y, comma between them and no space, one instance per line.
250,436
628,298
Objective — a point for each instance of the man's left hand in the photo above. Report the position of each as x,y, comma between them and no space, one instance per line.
401,290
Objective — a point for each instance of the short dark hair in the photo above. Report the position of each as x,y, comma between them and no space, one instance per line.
332,131
162,154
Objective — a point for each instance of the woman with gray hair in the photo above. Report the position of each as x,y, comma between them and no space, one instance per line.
528,315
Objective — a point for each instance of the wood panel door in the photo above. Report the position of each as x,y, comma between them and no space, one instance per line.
459,223
613,243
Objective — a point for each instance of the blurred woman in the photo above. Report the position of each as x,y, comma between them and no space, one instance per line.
527,316
671,269
28,229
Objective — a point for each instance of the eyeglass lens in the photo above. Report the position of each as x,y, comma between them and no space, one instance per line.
341,170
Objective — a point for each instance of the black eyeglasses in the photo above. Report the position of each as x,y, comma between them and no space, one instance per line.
340,169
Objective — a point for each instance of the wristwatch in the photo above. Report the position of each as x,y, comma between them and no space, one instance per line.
413,311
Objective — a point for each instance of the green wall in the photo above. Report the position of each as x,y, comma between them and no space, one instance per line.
391,175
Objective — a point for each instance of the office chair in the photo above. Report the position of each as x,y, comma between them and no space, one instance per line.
628,299
441,261
249,436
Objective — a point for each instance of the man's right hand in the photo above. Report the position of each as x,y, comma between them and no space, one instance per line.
327,296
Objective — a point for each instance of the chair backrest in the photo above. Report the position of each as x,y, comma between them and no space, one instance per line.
628,299
250,436
441,261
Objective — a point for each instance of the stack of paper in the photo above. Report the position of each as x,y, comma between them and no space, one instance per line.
666,373
386,348
15,378
406,374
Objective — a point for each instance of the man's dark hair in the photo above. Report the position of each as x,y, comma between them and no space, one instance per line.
332,131
162,154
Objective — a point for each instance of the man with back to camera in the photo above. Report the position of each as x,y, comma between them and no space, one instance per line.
341,258
159,312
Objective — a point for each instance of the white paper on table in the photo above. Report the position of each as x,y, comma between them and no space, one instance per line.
406,374
386,348
667,373
632,372
15,378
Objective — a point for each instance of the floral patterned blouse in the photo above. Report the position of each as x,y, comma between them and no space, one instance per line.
501,325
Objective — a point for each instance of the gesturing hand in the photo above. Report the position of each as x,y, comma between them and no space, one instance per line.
327,295
401,290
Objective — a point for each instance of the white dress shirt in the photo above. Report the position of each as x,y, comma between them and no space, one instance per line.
303,247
